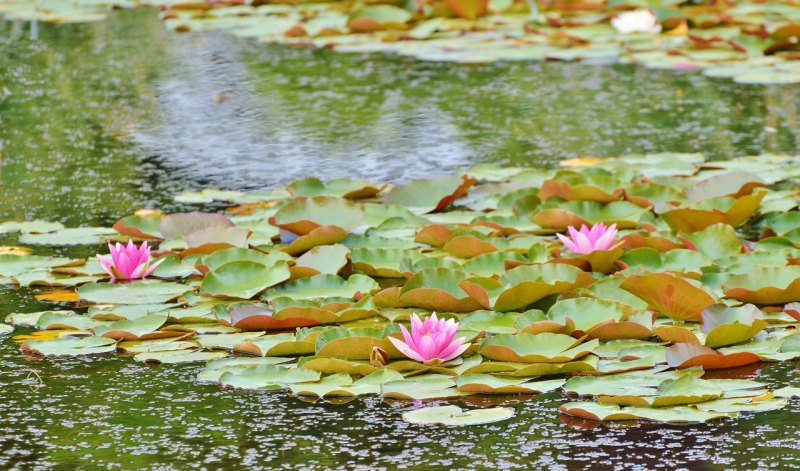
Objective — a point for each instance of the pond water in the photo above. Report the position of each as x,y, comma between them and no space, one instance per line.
99,120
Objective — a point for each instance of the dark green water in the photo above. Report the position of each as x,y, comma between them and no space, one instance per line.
99,120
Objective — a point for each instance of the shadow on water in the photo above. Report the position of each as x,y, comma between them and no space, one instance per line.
99,120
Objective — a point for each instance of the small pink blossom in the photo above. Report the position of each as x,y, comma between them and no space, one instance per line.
430,341
587,241
128,262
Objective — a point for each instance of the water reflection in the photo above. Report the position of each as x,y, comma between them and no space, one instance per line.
137,114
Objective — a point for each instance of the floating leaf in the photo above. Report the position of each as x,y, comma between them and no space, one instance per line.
71,346
303,215
244,279
140,292
765,285
687,355
670,295
180,356
538,348
325,286
425,196
454,416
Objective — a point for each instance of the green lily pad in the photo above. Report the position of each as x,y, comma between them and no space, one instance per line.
488,384
613,412
13,265
536,348
455,416
71,346
324,286
139,292
303,215
765,285
179,356
725,325
425,196
244,279
266,377
76,236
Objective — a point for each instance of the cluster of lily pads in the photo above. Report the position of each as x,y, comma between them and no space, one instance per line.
749,41
307,288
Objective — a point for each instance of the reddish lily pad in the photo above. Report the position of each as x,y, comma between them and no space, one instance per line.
670,295
302,215
425,196
687,355
765,285
438,289
538,348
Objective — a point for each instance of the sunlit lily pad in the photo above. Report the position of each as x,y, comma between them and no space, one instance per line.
536,348
765,285
425,196
674,297
613,412
266,377
140,292
687,355
244,279
71,346
455,416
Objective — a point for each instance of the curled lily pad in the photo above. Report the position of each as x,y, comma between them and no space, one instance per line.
324,286
687,355
425,196
266,377
71,346
438,289
523,286
430,386
244,279
674,297
536,348
613,412
178,356
342,385
238,254
602,319
356,343
576,213
319,236
141,227
351,188
725,325
139,292
143,328
765,285
275,345
488,384
382,262
455,416
328,259
216,368
303,215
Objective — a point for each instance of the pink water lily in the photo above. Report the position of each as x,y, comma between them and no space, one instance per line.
430,341
128,262
585,241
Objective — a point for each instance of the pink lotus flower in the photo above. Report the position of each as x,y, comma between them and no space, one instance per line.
430,341
586,241
128,262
